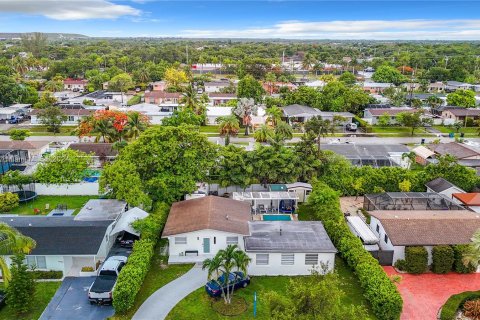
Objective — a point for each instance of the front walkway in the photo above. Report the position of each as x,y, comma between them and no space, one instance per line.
159,304
423,295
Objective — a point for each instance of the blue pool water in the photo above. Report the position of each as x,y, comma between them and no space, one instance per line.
276,217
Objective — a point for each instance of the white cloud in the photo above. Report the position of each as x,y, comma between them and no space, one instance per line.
419,29
69,9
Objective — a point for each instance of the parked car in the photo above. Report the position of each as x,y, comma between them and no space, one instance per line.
101,290
351,127
14,120
237,280
126,239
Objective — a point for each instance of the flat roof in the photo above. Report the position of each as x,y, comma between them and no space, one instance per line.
101,209
274,195
362,229
288,236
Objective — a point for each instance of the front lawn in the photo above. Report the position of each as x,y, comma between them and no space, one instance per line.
197,305
42,130
40,202
398,131
159,275
43,294
468,130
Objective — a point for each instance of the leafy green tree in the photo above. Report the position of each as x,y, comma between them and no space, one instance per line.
435,74
45,101
320,127
229,126
411,120
274,115
270,79
184,116
19,134
405,186
121,83
21,290
52,118
8,201
9,91
304,95
263,133
461,98
35,43
308,162
169,161
264,158
249,87
64,166
28,94
136,124
233,168
434,101
384,120
175,77
284,131
388,74
336,96
347,78
396,96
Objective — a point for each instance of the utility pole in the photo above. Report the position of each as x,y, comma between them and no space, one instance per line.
186,50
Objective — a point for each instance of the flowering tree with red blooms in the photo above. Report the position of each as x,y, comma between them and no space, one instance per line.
113,125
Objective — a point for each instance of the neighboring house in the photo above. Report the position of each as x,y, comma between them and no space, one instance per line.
375,155
372,115
445,188
153,112
289,248
299,113
75,84
197,229
451,116
302,190
274,87
376,87
469,200
32,148
399,229
410,201
215,86
318,84
7,113
221,98
101,209
423,155
67,244
436,87
101,152
411,86
213,113
458,150
455,85
163,98
328,115
159,85
74,116
103,98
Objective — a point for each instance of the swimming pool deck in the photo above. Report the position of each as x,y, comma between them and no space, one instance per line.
258,217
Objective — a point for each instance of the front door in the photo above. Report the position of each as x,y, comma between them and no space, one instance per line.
206,245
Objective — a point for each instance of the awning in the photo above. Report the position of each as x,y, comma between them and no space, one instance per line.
126,220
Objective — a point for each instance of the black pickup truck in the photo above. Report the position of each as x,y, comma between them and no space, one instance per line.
101,290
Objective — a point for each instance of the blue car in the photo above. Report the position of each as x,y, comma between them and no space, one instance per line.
237,280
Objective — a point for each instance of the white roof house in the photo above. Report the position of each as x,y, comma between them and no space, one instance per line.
362,230
215,112
152,111
124,223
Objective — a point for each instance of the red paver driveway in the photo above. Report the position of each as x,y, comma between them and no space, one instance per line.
424,294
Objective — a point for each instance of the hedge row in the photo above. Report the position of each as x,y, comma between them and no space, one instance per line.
455,302
416,259
458,266
377,288
443,259
131,277
49,274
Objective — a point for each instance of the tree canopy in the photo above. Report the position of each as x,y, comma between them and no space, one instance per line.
64,166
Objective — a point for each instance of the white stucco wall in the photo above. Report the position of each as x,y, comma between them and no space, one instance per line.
82,188
299,267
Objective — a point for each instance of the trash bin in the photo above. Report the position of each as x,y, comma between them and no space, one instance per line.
451,135
462,134
423,141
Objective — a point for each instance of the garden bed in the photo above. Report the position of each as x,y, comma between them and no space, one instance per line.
449,310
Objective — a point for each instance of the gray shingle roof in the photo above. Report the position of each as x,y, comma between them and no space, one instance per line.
60,235
297,110
295,236
439,185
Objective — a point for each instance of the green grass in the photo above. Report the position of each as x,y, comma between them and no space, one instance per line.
468,130
450,307
210,129
159,275
197,304
42,130
72,202
43,294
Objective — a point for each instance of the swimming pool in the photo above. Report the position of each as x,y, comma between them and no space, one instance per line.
276,217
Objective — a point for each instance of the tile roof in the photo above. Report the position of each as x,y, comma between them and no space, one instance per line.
288,236
210,212
23,145
75,81
458,150
411,228
163,95
99,149
469,199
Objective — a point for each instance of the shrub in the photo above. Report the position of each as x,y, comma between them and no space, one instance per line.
48,274
401,264
455,302
471,308
8,201
21,289
87,269
458,266
416,259
377,288
442,259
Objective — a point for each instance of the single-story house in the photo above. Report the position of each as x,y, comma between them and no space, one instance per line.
289,248
375,155
459,150
315,84
422,154
445,188
376,87
159,85
456,85
299,113
74,116
274,87
436,87
399,229
213,113
215,86
218,98
104,98
153,112
460,114
33,148
101,152
411,86
469,200
302,190
101,209
14,111
162,98
372,115
75,84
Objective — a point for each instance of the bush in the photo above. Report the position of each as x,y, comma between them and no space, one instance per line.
377,288
8,201
442,259
87,269
401,264
416,259
49,274
21,290
455,302
458,266
471,308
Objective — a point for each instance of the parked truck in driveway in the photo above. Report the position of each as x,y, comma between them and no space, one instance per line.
101,290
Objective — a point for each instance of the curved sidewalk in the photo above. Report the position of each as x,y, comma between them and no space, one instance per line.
159,304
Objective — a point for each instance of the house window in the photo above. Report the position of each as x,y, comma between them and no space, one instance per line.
41,262
262,259
71,118
180,240
311,259
386,238
232,240
378,228
214,240
31,261
37,262
288,259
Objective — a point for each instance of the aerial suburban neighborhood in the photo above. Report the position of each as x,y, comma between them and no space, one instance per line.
298,159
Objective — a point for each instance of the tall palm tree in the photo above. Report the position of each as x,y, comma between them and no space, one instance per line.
12,242
320,128
263,133
103,128
229,126
135,125
53,86
190,98
472,256
274,115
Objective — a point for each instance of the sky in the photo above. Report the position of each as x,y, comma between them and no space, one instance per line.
378,20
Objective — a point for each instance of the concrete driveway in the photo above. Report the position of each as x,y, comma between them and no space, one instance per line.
71,302
159,304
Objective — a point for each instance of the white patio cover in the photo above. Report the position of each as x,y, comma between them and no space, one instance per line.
126,220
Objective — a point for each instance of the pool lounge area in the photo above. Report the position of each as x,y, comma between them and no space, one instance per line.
275,217
269,202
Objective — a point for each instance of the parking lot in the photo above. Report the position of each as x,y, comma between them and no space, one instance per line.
71,302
